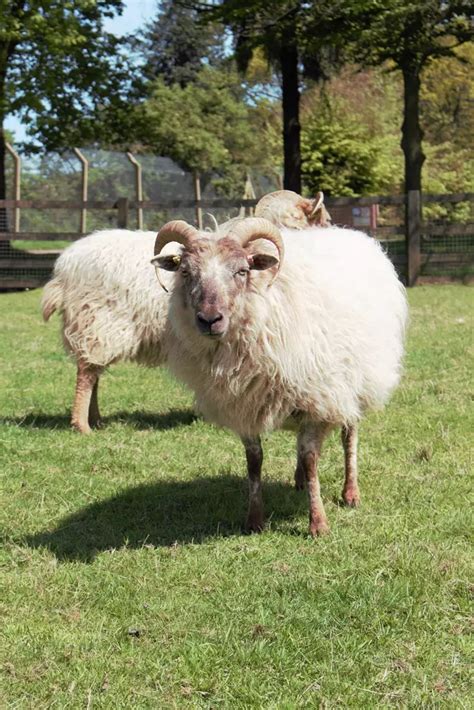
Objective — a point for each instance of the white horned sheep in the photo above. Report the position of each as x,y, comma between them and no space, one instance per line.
288,209
312,337
104,288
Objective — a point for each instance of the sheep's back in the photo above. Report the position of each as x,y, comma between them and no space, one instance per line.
113,307
351,310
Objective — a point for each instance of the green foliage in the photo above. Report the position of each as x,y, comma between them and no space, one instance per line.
350,136
68,79
409,33
449,169
447,99
176,45
351,127
336,158
208,126
255,24
126,581
60,70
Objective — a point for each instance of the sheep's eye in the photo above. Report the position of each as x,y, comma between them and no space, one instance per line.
241,272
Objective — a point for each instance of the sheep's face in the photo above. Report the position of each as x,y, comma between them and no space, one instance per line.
213,276
291,210
296,216
301,214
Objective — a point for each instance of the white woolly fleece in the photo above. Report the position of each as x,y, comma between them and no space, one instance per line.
111,303
325,340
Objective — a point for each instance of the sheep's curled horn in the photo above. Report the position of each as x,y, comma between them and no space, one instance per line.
319,200
246,231
176,231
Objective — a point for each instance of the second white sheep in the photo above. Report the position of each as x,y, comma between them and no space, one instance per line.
106,291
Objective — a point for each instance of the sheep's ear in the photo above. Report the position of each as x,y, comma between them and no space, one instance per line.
260,262
305,205
170,262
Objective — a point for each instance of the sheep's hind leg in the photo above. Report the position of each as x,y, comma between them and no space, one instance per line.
254,454
300,475
350,492
310,440
94,414
87,376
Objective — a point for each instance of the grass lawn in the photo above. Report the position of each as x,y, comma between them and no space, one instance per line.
127,583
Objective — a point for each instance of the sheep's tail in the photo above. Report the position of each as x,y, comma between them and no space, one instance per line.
52,299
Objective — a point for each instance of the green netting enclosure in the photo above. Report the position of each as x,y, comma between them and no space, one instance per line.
58,198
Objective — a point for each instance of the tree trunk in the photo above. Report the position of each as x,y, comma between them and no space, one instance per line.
291,111
7,49
4,54
3,182
412,135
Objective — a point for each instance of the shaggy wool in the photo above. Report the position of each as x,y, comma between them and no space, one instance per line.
324,341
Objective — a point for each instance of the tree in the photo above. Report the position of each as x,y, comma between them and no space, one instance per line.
351,126
280,28
405,34
447,99
176,45
350,133
59,70
207,126
275,28
196,108
338,156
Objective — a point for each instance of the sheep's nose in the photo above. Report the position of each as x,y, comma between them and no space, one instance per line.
211,323
207,321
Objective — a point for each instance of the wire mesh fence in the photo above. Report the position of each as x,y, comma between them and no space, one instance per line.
79,191
95,189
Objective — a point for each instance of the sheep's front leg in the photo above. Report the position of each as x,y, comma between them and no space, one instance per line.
350,492
254,454
310,440
87,376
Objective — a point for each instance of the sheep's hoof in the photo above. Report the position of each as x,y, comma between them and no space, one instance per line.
81,428
319,528
96,423
351,497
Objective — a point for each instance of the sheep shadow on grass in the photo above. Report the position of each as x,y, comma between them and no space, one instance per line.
162,514
139,420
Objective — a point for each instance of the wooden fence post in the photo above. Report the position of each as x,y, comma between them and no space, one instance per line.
249,194
197,197
122,212
138,188
413,235
16,186
85,183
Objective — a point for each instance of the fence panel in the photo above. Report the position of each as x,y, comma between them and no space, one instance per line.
438,247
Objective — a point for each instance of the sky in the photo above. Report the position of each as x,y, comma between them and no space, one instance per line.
135,14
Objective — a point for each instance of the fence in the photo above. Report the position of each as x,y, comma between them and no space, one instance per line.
436,247
23,265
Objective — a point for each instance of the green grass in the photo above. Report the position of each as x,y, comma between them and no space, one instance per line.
36,245
127,583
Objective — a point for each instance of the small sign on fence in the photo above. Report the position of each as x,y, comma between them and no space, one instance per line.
365,216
